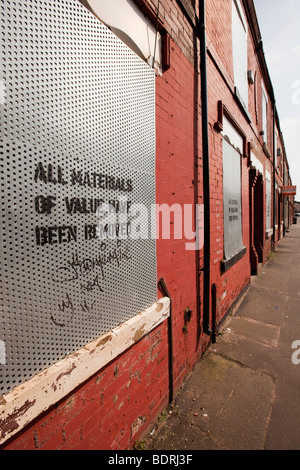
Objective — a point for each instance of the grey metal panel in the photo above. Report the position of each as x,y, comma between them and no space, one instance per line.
77,129
268,201
233,238
286,211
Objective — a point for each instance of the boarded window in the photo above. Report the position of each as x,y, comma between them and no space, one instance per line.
268,201
77,132
233,240
265,114
276,149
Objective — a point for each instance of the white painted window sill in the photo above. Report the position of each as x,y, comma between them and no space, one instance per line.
269,233
27,401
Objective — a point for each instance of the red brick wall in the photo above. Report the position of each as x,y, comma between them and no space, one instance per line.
177,145
219,31
230,283
221,87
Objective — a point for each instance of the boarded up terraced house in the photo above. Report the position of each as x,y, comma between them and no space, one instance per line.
142,175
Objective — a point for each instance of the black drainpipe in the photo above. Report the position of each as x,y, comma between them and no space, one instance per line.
206,180
214,313
166,293
274,179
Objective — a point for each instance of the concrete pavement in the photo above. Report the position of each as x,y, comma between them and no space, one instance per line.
245,391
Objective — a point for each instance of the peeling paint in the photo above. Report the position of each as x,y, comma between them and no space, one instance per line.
139,334
10,423
137,424
2,401
104,341
68,372
78,354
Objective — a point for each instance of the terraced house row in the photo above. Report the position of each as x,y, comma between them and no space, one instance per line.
144,180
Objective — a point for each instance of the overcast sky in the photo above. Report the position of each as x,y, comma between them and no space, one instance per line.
279,22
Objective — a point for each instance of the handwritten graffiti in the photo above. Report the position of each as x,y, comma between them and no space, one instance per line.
85,275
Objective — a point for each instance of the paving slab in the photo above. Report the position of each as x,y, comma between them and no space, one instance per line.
255,330
264,306
225,403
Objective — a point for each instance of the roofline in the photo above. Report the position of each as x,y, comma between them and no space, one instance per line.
258,43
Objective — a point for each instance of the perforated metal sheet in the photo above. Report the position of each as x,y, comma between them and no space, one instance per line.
233,235
77,129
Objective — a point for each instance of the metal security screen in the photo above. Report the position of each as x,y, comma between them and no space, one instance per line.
233,239
268,201
77,117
